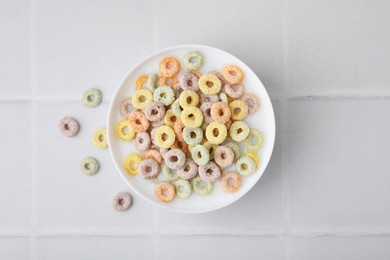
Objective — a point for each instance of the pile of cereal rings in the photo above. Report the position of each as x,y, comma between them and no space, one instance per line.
190,127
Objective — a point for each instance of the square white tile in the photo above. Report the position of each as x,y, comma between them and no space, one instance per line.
335,154
16,162
14,248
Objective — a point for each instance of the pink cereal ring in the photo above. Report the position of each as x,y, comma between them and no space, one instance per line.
68,126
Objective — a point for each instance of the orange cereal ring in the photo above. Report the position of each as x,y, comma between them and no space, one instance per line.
196,73
165,136
216,133
169,67
142,98
168,81
230,182
239,109
192,117
165,191
170,119
232,74
182,145
209,84
138,121
220,112
229,123
178,128
141,81
153,154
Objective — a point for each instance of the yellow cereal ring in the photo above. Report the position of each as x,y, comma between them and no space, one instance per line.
216,133
142,98
169,67
132,162
239,109
168,81
165,136
254,156
141,81
100,138
232,74
188,98
191,117
209,84
170,119
124,131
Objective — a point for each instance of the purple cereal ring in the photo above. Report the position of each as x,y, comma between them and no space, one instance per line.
208,98
142,141
206,110
223,156
209,172
155,111
234,90
177,90
188,170
252,102
149,168
189,81
69,126
174,158
126,107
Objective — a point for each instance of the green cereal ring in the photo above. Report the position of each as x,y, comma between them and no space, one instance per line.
201,187
238,131
192,136
245,165
92,97
89,166
236,149
254,141
223,97
152,81
169,174
176,108
164,95
193,60
200,155
183,188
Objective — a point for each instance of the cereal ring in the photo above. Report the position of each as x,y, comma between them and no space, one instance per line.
254,141
224,98
174,158
124,131
69,126
164,95
229,123
168,81
193,60
155,111
201,187
188,98
157,123
206,109
152,82
149,168
142,141
153,154
89,166
100,138
169,174
165,136
177,90
92,97
230,182
209,172
121,201
235,148
196,73
223,156
165,191
170,119
245,165
253,155
181,145
238,131
220,112
209,84
183,188
142,98
192,136
176,108
239,109
200,154
132,162
208,98
141,81
192,117
252,102
138,121
188,170
216,133
189,81
232,74
126,108
234,90
169,67
219,75
178,127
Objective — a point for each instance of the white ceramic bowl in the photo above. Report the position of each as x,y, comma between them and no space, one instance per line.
263,120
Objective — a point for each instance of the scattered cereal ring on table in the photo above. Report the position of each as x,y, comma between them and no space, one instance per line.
209,172
254,141
138,121
188,98
170,119
152,82
92,97
169,67
126,107
165,136
201,187
216,133
188,170
149,168
245,165
165,191
164,95
239,131
223,156
169,174
193,60
192,136
142,141
89,166
124,131
142,98
141,81
132,162
100,138
189,81
174,158
209,84
220,112
168,81
121,201
155,111
252,102
239,109
254,156
200,154
234,90
153,154
235,148
232,74
68,126
192,117
183,188
230,182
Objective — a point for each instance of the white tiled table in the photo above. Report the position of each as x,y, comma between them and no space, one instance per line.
326,192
